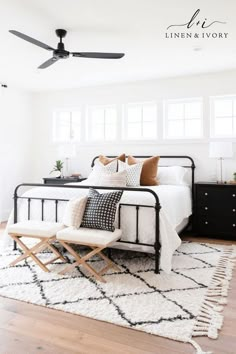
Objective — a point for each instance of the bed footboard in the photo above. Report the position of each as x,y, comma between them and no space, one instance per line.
56,201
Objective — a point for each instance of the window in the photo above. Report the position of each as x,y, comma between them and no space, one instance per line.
223,116
183,118
102,123
66,126
140,121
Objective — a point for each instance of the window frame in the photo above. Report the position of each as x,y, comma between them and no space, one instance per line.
55,114
89,110
166,102
125,122
213,117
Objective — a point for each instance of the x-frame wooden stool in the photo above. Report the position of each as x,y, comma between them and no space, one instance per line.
97,240
45,232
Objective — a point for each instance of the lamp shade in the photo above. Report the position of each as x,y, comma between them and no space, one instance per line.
67,151
221,149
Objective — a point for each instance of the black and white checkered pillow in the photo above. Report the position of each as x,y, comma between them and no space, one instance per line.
100,210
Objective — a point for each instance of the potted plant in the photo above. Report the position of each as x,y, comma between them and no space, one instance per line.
234,176
57,169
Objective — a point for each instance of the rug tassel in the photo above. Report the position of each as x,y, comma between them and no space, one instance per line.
209,320
197,347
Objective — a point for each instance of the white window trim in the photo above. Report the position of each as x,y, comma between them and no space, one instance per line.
60,110
160,139
125,122
212,117
165,119
89,110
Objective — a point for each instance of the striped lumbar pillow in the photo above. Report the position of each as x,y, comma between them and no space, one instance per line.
113,180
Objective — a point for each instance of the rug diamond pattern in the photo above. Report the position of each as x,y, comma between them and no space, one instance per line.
135,286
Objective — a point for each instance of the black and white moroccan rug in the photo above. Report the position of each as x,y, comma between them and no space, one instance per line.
179,306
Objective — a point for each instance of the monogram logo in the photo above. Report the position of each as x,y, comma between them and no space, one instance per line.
200,26
194,21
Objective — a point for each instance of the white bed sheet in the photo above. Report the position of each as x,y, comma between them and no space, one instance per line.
175,207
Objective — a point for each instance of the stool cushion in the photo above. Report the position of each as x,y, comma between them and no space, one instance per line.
35,228
85,236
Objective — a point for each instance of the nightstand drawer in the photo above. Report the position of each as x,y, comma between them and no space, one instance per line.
209,209
216,196
217,226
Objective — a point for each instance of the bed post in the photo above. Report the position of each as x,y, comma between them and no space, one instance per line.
15,215
157,245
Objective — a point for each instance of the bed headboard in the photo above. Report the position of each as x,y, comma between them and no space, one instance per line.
184,161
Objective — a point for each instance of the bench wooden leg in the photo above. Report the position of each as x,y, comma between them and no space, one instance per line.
109,262
39,247
82,261
55,251
29,252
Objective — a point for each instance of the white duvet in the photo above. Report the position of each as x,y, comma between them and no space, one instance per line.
175,207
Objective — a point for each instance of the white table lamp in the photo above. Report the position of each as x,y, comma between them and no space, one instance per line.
67,152
221,150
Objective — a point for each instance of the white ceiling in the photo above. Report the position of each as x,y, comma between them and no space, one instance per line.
135,27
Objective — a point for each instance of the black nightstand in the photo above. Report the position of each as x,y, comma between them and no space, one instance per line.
62,180
215,210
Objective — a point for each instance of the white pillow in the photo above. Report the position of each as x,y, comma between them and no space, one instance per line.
74,211
99,170
117,179
172,175
133,173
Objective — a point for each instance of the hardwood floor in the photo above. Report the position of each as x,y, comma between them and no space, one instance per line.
30,329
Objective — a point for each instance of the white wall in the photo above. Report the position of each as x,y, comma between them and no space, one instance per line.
26,150
15,145
192,86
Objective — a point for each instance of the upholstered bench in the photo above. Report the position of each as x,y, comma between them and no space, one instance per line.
95,239
42,230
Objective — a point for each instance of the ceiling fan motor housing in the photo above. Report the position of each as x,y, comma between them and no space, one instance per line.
60,52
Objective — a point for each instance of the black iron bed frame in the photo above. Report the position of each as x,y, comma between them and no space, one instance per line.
156,206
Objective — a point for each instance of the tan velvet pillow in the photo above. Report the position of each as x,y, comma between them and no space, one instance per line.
106,160
149,170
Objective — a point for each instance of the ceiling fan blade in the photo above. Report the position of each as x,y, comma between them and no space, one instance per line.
48,63
98,55
31,40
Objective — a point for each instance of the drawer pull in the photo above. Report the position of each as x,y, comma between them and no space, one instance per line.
233,195
234,225
206,222
234,210
207,194
206,208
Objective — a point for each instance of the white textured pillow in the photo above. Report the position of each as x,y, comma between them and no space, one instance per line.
111,167
99,170
172,175
74,211
117,179
133,173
